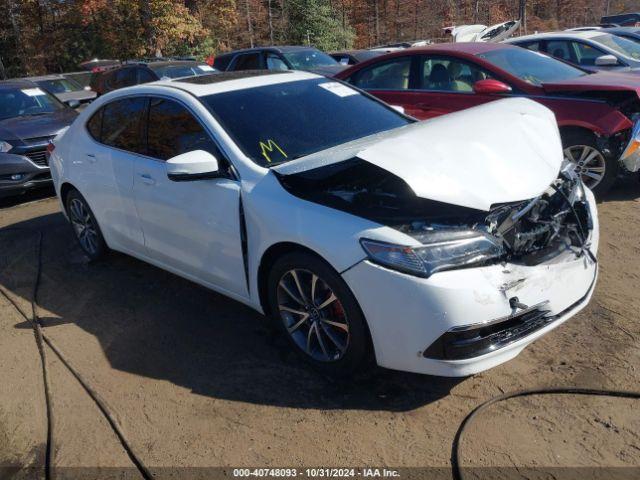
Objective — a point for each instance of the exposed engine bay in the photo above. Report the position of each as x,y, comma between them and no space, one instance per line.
530,232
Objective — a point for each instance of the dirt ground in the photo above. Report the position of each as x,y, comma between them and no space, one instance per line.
197,380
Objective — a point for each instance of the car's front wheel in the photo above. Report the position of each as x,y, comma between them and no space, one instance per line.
85,226
315,309
597,169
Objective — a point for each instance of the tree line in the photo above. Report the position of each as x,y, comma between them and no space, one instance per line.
40,36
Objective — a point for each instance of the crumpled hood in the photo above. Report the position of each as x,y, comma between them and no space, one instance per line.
505,151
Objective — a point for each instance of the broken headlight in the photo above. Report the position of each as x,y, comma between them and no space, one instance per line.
441,250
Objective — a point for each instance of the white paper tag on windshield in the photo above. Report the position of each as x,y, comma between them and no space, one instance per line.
338,89
205,68
33,92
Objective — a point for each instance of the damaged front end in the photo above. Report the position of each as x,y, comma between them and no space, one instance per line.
528,232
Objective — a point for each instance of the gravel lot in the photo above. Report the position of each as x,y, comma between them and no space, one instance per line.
198,380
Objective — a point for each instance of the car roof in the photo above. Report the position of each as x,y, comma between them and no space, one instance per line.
238,80
584,35
614,30
16,83
53,76
277,48
469,48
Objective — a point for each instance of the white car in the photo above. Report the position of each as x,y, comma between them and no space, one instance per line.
441,247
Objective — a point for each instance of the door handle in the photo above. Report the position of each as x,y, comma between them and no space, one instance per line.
91,157
147,179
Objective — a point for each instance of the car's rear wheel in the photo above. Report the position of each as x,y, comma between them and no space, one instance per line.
597,169
316,311
85,226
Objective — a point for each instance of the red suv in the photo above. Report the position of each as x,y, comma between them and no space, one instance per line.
597,113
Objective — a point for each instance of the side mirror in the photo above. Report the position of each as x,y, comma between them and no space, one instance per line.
398,108
196,165
490,86
73,103
607,61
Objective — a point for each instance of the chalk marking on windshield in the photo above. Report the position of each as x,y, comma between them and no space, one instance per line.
268,147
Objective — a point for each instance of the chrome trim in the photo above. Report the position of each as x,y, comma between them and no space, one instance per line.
473,326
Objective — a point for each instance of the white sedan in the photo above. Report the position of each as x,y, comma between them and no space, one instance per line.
441,247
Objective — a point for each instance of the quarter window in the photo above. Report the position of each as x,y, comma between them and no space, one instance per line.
172,130
392,75
94,125
121,122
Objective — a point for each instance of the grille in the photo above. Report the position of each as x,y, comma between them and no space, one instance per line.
39,157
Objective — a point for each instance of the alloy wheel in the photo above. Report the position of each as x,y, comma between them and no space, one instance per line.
312,315
83,226
589,163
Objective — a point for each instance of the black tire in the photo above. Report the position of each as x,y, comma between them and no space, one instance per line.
357,352
95,248
573,140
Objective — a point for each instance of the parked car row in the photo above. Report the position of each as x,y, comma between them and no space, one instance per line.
306,186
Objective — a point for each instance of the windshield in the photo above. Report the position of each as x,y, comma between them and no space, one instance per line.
308,59
532,67
278,123
27,101
620,45
61,85
177,71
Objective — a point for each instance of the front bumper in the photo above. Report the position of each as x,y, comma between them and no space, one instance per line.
31,175
407,315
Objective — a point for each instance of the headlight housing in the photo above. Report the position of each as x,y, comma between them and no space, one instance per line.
441,250
5,146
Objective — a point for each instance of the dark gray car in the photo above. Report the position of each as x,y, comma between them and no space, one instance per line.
279,58
65,89
29,118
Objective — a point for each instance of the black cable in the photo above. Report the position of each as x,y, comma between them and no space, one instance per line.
457,470
41,339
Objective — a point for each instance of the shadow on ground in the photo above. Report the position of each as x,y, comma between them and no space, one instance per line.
31,196
155,324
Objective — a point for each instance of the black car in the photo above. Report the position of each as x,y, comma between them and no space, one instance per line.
29,118
622,19
145,71
351,57
279,58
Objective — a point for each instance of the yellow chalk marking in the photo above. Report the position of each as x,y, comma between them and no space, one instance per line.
269,147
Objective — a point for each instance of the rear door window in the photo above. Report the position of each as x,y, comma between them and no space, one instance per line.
560,49
449,75
121,124
145,76
247,61
124,77
391,75
172,130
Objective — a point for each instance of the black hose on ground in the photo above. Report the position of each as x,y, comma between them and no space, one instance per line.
457,470
41,339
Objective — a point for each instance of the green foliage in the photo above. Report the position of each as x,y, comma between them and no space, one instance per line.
315,21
